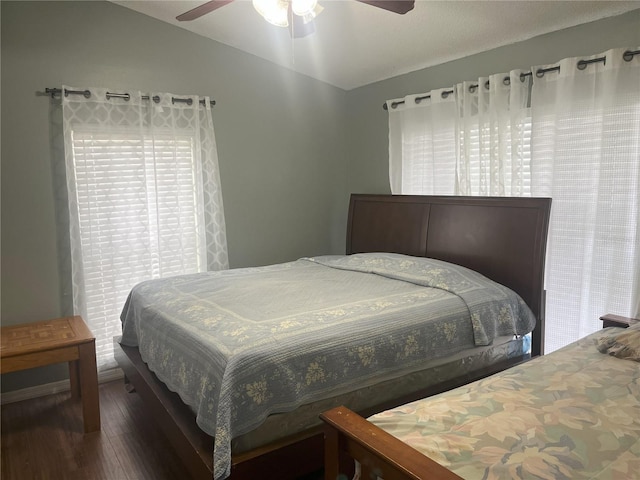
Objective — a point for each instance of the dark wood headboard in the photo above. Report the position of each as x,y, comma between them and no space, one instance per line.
503,238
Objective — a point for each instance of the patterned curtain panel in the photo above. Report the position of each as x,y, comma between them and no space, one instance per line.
144,198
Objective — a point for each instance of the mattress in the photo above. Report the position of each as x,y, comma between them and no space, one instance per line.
434,372
240,345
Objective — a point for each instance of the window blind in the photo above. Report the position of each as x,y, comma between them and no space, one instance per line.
514,168
139,218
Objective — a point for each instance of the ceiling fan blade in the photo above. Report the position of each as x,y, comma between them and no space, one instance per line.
202,10
395,6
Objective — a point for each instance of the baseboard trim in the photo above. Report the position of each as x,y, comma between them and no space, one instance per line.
54,387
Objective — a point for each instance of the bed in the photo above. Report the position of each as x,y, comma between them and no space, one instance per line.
322,355
570,414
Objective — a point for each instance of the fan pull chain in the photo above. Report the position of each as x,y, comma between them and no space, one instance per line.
293,37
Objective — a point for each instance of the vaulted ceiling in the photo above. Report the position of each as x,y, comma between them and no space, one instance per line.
356,44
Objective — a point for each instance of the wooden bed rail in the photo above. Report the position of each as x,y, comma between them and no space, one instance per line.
379,453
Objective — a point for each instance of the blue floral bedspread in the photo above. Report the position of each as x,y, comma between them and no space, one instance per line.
240,344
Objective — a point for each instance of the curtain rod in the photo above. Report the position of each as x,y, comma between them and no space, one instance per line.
86,93
582,64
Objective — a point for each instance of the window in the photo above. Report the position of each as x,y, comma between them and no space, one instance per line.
144,199
138,219
573,136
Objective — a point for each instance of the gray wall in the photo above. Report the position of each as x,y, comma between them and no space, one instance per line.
281,141
368,169
291,148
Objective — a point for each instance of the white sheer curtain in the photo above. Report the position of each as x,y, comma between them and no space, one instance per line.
421,160
586,156
492,133
468,140
144,198
577,142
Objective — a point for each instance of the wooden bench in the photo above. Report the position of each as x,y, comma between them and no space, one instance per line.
65,339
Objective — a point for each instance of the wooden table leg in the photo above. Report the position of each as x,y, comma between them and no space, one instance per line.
74,378
88,376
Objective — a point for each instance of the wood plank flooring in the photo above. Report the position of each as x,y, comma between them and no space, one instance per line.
43,439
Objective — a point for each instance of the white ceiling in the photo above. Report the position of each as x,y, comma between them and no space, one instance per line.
356,44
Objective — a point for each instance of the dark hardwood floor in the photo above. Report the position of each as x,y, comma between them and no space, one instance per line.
43,439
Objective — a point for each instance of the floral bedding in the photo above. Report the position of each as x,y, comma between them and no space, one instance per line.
573,414
242,344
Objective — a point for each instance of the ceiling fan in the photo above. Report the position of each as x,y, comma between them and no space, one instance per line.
297,15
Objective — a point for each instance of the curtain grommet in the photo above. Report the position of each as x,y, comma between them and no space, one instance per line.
582,64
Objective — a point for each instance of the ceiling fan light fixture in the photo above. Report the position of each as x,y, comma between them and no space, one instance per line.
304,8
273,11
312,15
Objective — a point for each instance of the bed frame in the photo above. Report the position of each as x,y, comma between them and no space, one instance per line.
503,238
348,436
